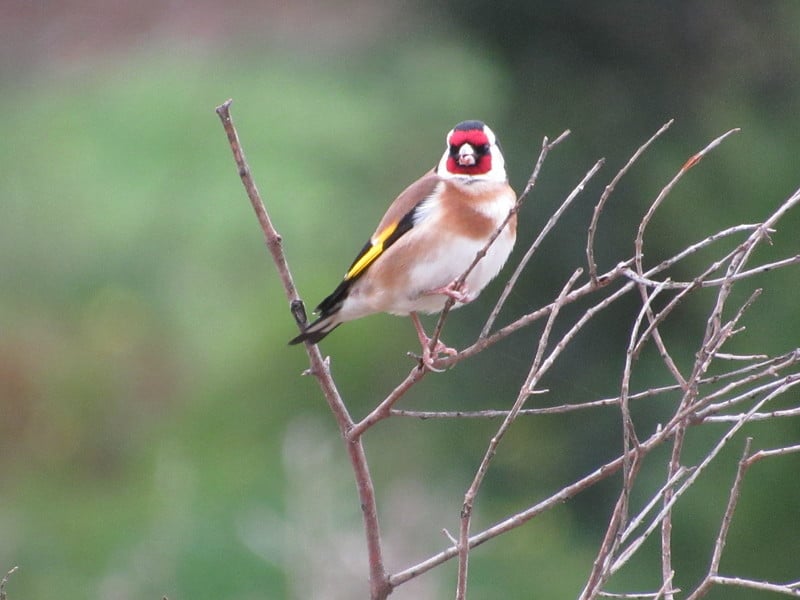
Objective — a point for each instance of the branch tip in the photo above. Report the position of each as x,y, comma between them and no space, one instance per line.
224,108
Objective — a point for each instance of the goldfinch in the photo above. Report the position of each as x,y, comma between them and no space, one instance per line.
427,239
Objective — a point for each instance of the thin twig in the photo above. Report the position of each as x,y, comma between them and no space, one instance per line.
638,258
733,499
788,589
762,454
767,368
551,223
630,467
630,355
767,416
4,581
701,410
524,393
671,496
564,494
512,522
547,145
601,566
610,277
638,254
643,595
567,492
639,518
607,193
384,409
764,268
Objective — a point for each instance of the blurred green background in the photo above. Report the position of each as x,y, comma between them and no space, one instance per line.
155,434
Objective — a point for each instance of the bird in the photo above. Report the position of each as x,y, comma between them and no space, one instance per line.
426,241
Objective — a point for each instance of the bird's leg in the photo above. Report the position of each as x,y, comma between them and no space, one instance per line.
428,356
455,290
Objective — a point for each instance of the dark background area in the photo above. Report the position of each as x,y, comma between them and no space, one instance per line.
155,435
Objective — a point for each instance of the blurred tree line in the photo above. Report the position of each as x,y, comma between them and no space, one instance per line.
151,415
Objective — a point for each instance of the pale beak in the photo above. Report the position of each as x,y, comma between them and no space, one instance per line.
466,156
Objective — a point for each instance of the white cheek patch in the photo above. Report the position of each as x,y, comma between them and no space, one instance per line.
490,135
498,170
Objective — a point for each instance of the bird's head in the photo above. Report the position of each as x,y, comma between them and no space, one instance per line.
472,151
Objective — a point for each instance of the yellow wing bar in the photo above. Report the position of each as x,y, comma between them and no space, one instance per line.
374,251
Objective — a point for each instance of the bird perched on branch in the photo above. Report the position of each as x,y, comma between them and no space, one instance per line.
427,240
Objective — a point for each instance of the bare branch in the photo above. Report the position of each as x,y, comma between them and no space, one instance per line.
604,280
601,473
769,368
671,497
767,416
788,589
733,499
792,260
601,568
551,222
643,595
698,414
379,584
637,521
638,257
607,193
4,581
762,454
524,393
547,145
384,409
512,522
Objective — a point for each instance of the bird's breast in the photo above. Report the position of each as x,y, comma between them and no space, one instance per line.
474,210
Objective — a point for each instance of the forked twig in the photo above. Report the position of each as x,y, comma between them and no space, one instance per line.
598,209
551,222
713,577
547,145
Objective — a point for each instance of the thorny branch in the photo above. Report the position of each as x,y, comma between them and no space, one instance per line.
736,395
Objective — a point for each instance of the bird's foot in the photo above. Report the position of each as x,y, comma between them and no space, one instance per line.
455,290
430,356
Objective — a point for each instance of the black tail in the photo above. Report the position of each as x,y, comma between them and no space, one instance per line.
316,331
327,310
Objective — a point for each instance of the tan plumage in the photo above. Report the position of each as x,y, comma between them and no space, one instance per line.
428,238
